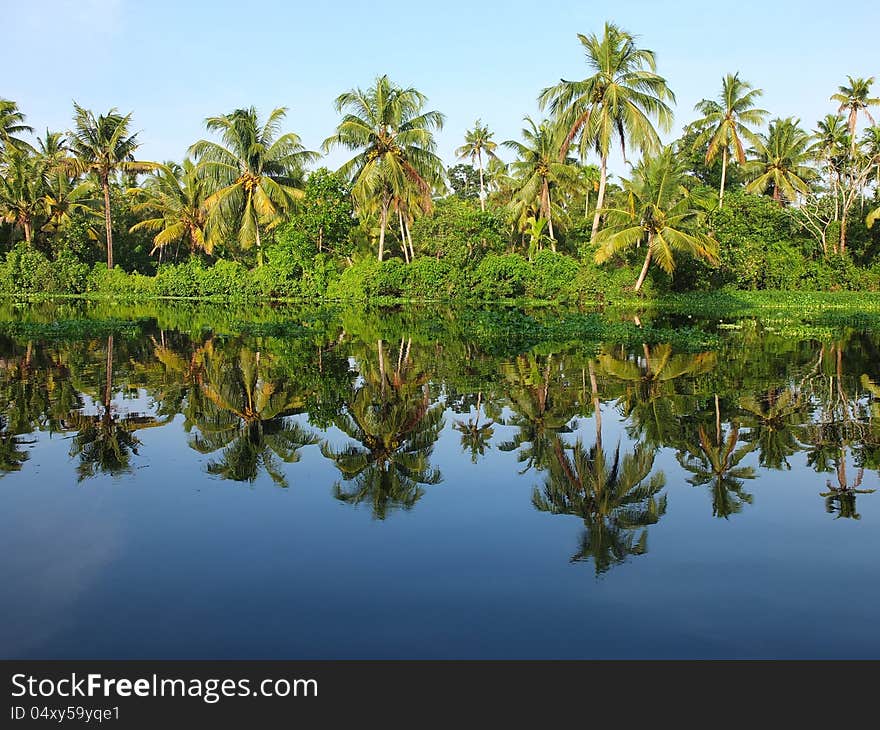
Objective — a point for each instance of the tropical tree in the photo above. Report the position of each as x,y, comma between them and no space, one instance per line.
854,99
65,198
252,177
617,498
22,191
394,139
660,212
475,436
781,161
103,145
832,147
478,141
11,125
174,199
537,169
727,121
619,99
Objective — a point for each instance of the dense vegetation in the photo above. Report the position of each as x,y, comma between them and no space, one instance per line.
738,201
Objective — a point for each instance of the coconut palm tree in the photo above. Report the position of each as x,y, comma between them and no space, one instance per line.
660,212
22,191
102,145
727,121
478,141
854,100
11,125
174,199
617,498
65,197
833,147
619,99
536,171
781,161
252,176
394,139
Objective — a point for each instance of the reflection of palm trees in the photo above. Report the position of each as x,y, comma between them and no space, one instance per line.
542,410
240,411
716,462
12,456
475,436
395,428
650,398
616,499
773,420
105,442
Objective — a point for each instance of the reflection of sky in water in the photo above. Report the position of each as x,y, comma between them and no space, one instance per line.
169,561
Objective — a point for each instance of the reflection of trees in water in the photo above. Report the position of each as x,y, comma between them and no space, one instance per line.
243,412
475,436
617,498
12,453
543,403
394,426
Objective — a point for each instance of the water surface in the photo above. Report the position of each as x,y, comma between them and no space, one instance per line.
383,485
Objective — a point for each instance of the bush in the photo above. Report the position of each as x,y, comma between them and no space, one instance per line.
500,276
429,278
459,233
553,276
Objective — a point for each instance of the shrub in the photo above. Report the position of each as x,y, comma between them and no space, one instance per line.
553,276
500,276
429,278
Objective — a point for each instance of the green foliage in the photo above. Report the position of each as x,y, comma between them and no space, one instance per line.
553,276
465,181
459,232
500,276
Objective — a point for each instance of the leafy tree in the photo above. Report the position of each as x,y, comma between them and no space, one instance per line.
727,121
618,100
660,212
465,182
22,191
253,175
478,141
102,145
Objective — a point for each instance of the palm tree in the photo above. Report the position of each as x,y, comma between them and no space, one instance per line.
854,100
477,141
618,100
727,121
394,141
174,198
661,212
616,498
102,145
475,436
252,178
22,191
537,169
65,197
781,161
832,146
11,125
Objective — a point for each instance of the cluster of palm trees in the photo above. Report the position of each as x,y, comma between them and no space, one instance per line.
235,189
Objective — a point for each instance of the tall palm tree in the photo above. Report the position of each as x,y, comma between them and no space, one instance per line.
537,169
617,498
11,125
833,147
781,161
102,145
253,176
22,190
618,100
854,100
727,121
394,139
174,198
476,142
661,213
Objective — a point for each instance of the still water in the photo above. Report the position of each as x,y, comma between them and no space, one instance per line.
379,485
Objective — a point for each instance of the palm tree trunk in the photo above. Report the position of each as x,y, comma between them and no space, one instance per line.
482,189
26,224
723,178
108,384
412,251
587,204
597,406
717,422
549,216
259,247
647,263
105,185
600,201
402,235
383,221
843,216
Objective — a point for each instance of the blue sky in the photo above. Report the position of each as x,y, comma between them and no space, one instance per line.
174,63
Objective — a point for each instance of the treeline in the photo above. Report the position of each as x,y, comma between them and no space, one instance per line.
739,200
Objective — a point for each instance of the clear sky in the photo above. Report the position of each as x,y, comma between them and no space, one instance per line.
175,62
